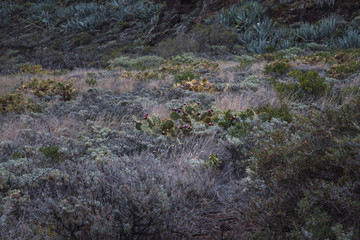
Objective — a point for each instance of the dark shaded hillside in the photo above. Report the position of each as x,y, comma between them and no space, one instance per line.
68,34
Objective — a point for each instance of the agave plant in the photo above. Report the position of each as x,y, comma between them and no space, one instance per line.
85,16
5,10
351,39
321,3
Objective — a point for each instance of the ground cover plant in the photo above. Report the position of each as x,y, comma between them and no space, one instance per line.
249,128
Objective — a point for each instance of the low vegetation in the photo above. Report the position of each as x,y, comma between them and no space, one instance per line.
245,125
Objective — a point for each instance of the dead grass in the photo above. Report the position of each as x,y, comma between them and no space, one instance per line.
8,82
154,108
108,80
226,73
257,69
241,101
10,131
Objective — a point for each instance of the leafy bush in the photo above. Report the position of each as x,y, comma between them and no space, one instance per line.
309,84
91,79
179,44
51,153
140,63
345,69
186,58
14,102
279,67
267,112
250,83
48,88
32,69
308,177
185,76
147,75
181,121
202,85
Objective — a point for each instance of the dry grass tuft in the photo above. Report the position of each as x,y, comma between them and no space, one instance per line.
241,101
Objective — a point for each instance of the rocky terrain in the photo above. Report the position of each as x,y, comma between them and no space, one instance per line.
180,119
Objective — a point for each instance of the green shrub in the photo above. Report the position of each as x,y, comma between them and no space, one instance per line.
14,102
32,69
48,88
213,161
51,153
180,121
91,79
309,174
177,45
245,61
279,67
343,70
186,58
139,63
308,84
185,76
81,39
267,112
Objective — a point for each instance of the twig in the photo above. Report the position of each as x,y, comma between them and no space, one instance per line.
34,24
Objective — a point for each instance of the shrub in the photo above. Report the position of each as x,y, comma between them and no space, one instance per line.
14,102
309,84
185,76
81,39
345,69
91,79
212,36
147,75
244,61
51,153
202,85
268,112
32,69
181,121
139,63
178,45
186,58
250,83
48,88
308,175
279,67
